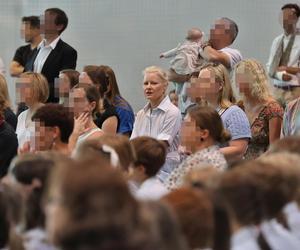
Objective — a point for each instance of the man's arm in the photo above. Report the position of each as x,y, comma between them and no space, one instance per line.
16,69
212,55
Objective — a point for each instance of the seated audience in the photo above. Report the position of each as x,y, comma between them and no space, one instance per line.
9,115
53,127
68,78
194,211
4,223
84,103
213,86
106,117
93,209
159,119
8,140
263,111
150,157
201,132
106,80
29,173
32,89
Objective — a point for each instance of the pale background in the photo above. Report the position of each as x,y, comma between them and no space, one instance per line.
129,35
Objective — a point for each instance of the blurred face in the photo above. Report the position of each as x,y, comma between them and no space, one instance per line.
220,33
48,26
27,33
289,20
43,137
84,78
63,85
243,81
24,90
79,103
204,87
189,133
154,87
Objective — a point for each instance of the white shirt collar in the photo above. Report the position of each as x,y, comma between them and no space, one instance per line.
52,44
164,104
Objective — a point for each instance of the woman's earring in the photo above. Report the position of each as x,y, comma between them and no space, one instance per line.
201,139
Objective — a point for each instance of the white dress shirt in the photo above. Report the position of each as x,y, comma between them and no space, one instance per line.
293,60
150,189
44,52
278,237
24,131
292,214
162,123
245,239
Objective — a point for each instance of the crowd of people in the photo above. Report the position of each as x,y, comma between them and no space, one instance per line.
212,164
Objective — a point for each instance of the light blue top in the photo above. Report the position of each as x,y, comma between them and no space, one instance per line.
236,122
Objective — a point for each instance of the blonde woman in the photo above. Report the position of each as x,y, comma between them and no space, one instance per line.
265,114
213,88
160,118
9,115
33,90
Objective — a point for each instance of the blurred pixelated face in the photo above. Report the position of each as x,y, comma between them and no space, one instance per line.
189,133
79,103
84,78
48,26
289,19
204,87
174,99
24,90
62,84
243,81
27,32
220,31
43,137
154,87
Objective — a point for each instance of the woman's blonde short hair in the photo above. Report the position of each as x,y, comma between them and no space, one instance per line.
260,86
159,71
221,74
4,91
40,86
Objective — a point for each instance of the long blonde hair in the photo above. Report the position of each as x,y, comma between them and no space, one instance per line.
225,98
4,91
259,86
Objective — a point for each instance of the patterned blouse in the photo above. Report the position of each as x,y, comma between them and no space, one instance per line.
259,142
210,155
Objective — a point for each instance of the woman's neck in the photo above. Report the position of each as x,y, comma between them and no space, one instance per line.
155,103
61,147
252,104
208,142
214,102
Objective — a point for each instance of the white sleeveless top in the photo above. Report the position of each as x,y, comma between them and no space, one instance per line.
85,135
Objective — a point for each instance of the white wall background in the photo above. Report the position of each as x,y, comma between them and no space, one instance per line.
129,35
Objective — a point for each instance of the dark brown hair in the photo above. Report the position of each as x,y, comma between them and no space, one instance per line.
52,115
150,153
292,6
60,19
208,118
194,211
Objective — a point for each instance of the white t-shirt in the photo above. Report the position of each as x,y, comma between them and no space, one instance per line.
2,68
151,189
234,55
24,131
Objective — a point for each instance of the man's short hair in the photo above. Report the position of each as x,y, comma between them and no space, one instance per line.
292,6
56,115
34,21
233,27
150,153
60,19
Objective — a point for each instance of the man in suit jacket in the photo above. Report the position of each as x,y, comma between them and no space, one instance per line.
53,54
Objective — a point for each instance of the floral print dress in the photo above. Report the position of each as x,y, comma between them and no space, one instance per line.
259,142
